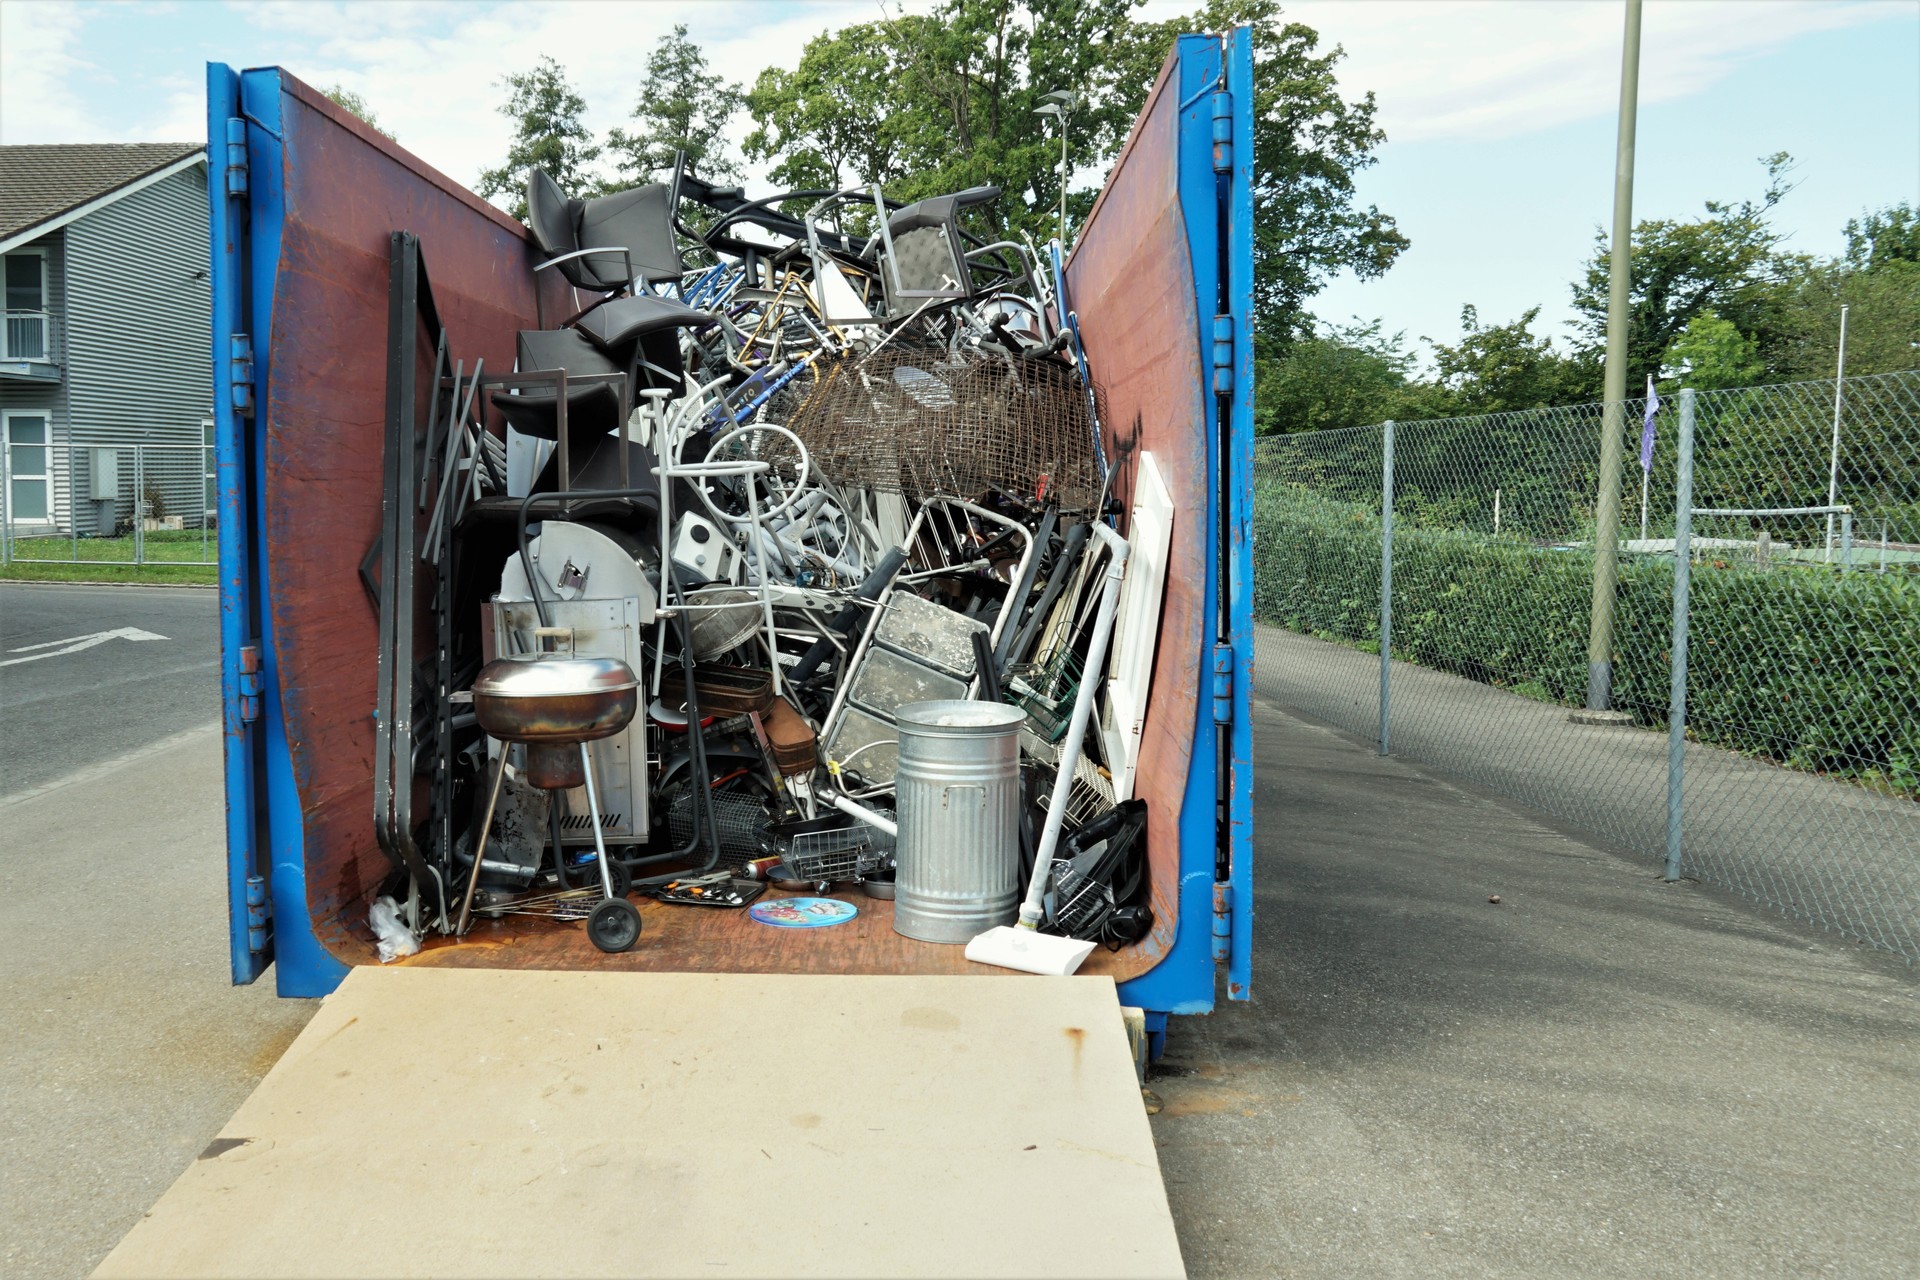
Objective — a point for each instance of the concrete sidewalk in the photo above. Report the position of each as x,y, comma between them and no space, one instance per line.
123,1047
1825,851
1603,1075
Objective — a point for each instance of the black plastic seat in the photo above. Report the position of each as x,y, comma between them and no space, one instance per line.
592,409
632,229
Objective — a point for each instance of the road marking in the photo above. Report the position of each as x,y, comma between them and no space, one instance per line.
75,644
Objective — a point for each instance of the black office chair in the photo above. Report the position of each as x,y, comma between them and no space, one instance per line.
923,252
609,244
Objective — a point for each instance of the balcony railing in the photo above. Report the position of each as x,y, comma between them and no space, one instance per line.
31,336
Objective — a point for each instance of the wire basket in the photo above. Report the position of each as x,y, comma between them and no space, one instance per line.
1078,901
838,853
737,815
1046,692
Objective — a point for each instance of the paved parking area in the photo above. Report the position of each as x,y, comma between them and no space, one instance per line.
1602,1075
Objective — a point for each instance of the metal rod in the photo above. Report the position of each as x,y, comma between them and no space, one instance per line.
479,854
1677,688
1846,540
1386,585
593,814
1833,459
1606,537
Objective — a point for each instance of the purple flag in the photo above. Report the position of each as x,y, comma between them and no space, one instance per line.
1646,432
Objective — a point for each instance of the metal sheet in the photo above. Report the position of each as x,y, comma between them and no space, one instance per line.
1131,279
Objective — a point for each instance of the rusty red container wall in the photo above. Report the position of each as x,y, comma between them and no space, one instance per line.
1131,281
347,189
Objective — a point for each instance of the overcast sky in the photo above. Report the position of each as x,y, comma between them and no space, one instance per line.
1499,113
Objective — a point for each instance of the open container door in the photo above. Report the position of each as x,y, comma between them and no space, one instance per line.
250,932
1161,282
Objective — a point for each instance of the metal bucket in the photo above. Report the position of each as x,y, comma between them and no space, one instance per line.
957,793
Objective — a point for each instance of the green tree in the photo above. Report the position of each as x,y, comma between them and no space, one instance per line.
927,103
1724,262
682,106
1712,355
341,96
1499,368
1308,143
548,134
1340,376
1886,236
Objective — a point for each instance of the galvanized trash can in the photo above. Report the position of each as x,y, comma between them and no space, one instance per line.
957,794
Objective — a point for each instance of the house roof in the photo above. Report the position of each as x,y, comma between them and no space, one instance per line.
39,183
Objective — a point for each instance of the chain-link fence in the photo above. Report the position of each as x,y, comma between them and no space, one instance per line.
1793,775
107,504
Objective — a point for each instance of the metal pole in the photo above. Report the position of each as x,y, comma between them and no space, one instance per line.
73,500
1063,177
1644,477
1606,537
1846,540
1833,459
1677,689
1386,583
6,501
139,504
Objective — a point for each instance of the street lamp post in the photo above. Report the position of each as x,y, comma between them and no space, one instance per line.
1060,103
1606,535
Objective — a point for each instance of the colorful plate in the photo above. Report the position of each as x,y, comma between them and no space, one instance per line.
803,913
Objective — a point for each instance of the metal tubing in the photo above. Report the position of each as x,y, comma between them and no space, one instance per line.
1606,537
1839,399
1090,679
480,853
1677,689
1386,585
593,816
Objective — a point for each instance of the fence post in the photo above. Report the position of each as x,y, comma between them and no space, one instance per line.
6,501
1677,688
1386,583
139,504
73,494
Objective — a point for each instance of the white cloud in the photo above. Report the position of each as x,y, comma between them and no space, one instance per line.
39,65
431,72
1480,70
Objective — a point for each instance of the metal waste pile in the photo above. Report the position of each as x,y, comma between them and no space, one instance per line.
662,607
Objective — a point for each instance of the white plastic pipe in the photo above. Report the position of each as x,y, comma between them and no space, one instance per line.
1090,678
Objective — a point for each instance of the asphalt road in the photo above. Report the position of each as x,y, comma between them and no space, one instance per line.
70,700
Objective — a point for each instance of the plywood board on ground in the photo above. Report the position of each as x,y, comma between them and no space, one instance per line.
528,1123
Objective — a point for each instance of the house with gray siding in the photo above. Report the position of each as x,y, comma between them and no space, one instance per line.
105,369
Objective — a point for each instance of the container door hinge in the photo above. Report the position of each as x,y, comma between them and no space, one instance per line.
236,166
1222,131
240,373
1222,921
249,683
257,916
1223,684
1223,355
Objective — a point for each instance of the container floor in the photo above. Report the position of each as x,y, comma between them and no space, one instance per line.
676,938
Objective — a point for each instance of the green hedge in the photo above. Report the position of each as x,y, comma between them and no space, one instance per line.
1800,666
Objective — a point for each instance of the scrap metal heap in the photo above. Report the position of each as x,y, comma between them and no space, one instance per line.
795,463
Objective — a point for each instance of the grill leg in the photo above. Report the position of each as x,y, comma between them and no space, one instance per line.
486,825
593,812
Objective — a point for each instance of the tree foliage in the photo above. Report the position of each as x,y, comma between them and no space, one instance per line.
682,106
549,133
341,96
1724,262
929,103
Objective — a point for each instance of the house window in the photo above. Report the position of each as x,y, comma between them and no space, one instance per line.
29,473
26,279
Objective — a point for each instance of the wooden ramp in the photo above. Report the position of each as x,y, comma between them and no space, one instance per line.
444,1122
